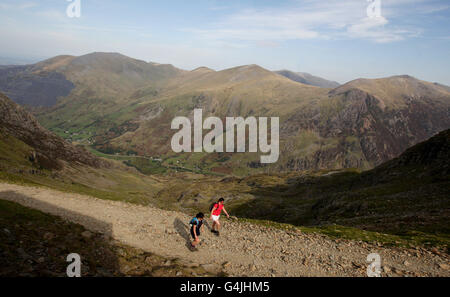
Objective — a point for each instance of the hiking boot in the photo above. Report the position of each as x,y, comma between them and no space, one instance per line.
213,231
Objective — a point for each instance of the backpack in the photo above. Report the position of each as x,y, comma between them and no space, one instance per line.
191,223
211,207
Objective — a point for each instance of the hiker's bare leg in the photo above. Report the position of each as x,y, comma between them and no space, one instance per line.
218,225
195,242
213,224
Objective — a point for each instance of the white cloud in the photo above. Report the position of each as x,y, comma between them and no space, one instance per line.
334,19
18,6
375,29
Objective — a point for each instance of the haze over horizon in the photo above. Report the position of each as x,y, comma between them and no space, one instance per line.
332,39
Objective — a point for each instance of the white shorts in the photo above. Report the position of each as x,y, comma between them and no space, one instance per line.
215,218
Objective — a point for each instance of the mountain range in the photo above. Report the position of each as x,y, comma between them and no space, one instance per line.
119,105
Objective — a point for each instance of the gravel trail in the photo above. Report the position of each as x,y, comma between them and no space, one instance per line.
243,249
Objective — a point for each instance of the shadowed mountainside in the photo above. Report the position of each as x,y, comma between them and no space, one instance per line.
46,149
32,89
405,195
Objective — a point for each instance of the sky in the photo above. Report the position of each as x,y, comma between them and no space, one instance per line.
339,40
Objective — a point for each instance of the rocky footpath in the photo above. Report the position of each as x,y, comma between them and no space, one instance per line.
36,244
243,249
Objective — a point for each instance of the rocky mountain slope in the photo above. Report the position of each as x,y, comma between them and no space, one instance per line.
30,154
373,121
348,127
410,192
408,195
19,129
428,158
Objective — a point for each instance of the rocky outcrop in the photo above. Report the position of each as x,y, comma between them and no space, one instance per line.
431,157
50,149
367,132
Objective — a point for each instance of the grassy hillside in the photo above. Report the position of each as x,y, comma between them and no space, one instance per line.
32,155
117,182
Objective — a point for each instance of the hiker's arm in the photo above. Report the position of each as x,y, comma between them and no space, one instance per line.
225,211
214,208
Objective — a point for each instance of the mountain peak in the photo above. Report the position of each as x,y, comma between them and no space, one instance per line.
54,63
102,57
202,69
105,54
250,67
395,90
308,79
404,76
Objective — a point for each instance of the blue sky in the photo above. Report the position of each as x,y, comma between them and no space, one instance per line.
335,39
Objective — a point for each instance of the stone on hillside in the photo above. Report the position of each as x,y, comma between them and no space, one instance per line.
86,234
226,264
213,268
49,236
444,266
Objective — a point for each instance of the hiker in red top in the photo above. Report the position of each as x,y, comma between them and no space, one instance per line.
216,210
